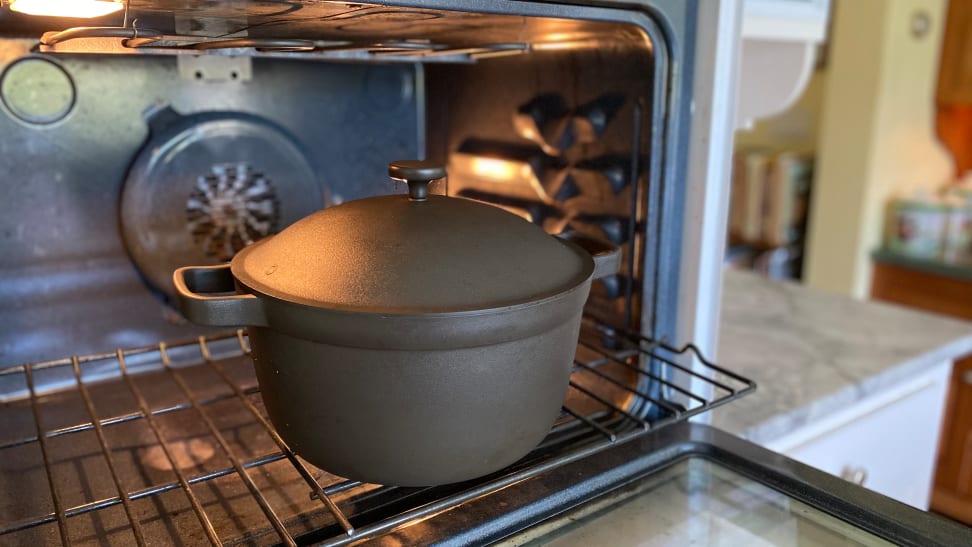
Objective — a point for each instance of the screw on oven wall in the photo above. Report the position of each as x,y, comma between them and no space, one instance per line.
214,68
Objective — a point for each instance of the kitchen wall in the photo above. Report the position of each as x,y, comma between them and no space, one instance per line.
876,138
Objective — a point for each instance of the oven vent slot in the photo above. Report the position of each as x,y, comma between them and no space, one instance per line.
184,448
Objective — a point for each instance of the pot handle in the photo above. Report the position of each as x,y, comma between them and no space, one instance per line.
192,284
606,255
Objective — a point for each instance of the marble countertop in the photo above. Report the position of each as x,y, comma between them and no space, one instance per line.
812,352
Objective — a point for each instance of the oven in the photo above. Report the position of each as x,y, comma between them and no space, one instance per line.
174,133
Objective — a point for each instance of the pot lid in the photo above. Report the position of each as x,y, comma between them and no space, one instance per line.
415,253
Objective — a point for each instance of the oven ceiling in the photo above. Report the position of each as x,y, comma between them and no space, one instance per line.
316,20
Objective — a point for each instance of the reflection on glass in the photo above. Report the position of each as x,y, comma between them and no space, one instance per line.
695,502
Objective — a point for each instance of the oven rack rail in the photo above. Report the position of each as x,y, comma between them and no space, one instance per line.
576,435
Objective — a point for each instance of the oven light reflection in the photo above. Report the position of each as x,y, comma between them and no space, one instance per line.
185,454
567,45
525,215
499,169
525,131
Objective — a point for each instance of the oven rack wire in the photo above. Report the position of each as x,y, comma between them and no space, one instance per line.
590,422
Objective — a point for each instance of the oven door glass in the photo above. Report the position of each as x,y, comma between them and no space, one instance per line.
695,502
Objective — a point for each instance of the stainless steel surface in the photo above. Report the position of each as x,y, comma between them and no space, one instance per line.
398,111
37,91
169,453
492,162
67,277
215,68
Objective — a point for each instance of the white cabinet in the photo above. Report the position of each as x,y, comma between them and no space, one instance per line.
777,54
786,20
887,442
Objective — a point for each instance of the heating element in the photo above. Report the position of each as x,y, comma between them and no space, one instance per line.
176,446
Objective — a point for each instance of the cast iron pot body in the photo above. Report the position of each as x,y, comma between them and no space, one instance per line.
421,391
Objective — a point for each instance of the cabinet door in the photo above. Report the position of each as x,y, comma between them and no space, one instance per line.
950,296
953,478
955,66
886,443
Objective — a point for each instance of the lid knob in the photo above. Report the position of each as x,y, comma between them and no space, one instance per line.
417,174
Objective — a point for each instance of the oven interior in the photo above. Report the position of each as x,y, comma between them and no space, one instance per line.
176,135
128,161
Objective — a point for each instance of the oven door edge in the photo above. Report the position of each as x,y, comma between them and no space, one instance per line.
544,497
716,44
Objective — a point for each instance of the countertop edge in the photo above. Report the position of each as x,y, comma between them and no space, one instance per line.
854,393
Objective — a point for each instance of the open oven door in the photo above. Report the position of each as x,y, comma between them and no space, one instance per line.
689,484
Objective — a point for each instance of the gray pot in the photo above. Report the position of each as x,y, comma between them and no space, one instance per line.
407,340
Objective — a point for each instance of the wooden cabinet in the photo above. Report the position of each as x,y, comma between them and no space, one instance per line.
922,289
951,295
952,494
954,94
955,67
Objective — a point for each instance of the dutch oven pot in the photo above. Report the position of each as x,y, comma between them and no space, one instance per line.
410,340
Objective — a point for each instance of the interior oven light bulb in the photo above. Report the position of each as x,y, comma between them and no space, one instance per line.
85,9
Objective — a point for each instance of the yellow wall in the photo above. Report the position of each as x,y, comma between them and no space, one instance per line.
876,136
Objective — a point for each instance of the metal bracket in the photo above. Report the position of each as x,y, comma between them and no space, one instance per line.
215,68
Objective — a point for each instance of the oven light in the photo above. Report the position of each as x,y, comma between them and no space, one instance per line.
85,9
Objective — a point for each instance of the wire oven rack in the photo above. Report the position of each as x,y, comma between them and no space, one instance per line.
186,453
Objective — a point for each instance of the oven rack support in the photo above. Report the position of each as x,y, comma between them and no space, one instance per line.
578,434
